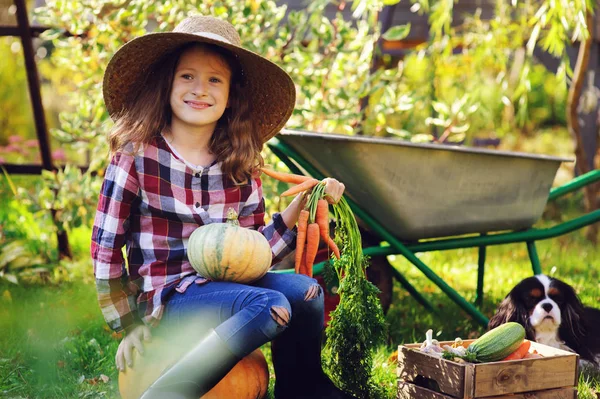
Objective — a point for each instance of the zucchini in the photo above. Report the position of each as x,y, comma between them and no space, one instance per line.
496,344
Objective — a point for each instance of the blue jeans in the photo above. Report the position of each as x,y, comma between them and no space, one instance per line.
284,307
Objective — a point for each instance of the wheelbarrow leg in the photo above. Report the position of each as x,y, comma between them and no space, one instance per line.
437,280
533,256
480,273
412,290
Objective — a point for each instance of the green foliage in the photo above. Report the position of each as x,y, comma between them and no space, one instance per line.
357,324
500,52
71,194
26,246
328,60
16,111
54,343
60,348
465,82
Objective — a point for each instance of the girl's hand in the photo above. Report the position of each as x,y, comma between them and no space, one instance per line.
133,339
333,190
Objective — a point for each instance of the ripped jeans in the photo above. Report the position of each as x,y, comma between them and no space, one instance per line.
284,307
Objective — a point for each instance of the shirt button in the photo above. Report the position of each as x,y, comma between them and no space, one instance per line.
197,205
197,175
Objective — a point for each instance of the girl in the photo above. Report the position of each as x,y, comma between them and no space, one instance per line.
192,110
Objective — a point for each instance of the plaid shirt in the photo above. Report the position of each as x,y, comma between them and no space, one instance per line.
150,202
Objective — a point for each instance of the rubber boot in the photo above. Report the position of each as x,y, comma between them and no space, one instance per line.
196,373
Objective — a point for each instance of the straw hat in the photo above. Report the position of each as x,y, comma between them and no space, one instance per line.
269,89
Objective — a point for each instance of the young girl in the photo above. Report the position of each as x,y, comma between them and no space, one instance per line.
192,110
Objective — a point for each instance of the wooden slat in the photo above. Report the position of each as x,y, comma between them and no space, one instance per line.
7,30
15,169
450,376
28,169
557,369
524,375
34,85
407,390
546,350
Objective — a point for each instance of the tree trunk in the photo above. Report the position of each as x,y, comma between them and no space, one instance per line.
582,165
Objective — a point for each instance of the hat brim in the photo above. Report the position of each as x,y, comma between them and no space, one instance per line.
270,90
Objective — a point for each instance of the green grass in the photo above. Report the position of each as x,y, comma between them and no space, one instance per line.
54,343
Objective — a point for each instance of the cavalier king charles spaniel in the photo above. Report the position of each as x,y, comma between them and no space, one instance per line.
553,315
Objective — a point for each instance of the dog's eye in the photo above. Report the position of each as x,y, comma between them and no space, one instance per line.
530,302
555,294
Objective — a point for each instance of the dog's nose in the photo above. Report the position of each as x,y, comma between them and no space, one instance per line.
547,307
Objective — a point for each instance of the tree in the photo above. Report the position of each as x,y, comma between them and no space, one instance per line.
583,165
504,47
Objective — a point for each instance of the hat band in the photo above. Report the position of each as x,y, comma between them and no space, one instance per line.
214,36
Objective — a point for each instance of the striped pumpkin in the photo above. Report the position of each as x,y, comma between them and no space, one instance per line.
228,252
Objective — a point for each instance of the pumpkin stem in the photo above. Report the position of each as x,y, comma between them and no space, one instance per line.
232,217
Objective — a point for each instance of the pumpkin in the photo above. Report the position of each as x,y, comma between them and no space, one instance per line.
249,378
228,252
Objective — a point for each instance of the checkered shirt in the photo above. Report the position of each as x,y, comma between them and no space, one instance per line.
150,202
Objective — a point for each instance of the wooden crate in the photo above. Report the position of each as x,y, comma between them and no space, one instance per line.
423,376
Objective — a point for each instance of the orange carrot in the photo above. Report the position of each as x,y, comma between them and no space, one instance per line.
322,219
333,246
285,177
312,246
301,238
303,269
300,187
520,352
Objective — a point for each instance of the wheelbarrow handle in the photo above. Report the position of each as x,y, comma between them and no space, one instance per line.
575,184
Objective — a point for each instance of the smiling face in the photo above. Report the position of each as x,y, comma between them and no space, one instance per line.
200,90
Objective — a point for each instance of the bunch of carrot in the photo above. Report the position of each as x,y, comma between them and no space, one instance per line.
313,222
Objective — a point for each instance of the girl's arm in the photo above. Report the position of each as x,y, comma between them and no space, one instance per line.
281,230
333,191
281,238
116,294
291,213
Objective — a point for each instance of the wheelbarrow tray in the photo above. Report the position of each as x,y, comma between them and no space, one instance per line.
419,191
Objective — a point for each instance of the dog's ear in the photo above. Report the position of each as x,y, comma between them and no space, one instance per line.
507,311
572,328
510,310
577,327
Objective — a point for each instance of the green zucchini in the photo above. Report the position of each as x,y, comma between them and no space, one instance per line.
496,344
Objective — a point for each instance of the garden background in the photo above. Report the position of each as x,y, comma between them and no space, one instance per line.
473,81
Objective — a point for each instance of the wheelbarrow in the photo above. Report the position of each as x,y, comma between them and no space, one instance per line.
432,197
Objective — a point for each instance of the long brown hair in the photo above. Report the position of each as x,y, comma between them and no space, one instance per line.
235,142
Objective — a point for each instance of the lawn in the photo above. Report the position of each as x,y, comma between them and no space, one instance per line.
54,343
